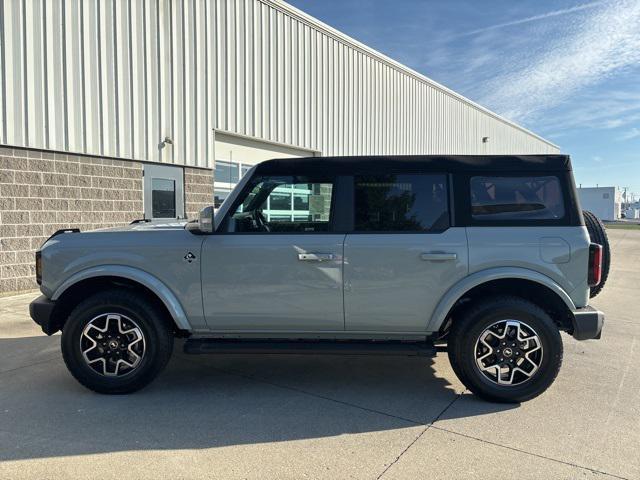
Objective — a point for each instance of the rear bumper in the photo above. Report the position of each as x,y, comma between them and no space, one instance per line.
587,323
41,310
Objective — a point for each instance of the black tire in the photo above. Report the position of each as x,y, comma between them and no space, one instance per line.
156,346
598,234
467,329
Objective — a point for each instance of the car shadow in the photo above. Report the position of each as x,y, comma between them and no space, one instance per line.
212,401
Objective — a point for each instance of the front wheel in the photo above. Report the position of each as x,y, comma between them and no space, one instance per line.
505,349
116,342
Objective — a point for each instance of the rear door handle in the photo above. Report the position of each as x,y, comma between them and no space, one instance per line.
438,256
315,257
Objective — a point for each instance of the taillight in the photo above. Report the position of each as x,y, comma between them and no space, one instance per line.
39,267
595,264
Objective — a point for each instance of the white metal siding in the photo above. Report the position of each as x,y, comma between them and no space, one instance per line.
115,77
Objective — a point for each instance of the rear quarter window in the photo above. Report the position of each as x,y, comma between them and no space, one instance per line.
519,198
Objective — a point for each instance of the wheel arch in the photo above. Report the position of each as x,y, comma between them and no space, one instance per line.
104,276
521,282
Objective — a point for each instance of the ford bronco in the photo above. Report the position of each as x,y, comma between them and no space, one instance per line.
488,255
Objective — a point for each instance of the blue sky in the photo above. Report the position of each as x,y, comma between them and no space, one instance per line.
567,70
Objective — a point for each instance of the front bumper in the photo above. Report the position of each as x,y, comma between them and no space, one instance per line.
41,311
587,323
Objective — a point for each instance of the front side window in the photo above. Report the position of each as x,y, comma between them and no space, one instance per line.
516,198
401,203
285,204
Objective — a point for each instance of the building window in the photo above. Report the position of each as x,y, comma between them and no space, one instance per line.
279,200
300,202
163,198
227,172
386,203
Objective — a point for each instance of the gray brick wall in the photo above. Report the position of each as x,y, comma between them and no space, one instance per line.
198,190
41,192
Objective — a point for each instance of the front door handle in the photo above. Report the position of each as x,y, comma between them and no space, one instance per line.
315,257
438,256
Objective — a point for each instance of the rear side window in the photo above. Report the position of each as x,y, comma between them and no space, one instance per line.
516,198
395,203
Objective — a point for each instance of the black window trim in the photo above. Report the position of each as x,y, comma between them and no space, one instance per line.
342,220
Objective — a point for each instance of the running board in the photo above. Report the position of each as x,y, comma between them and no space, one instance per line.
313,347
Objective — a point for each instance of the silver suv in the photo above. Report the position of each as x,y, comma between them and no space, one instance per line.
488,255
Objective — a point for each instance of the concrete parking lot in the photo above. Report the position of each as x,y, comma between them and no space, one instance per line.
326,417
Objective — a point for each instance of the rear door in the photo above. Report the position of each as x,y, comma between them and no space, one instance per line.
403,254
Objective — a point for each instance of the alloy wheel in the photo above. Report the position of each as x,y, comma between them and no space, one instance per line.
112,344
508,352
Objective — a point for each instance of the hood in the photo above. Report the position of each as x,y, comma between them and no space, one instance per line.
159,225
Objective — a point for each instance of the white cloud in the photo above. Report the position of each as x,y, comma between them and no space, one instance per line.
612,110
595,47
630,134
534,18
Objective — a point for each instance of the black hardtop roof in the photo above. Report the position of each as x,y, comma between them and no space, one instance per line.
416,163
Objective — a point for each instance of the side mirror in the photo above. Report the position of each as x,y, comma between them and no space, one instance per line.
205,220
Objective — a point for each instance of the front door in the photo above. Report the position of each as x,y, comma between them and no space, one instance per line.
163,192
274,264
403,255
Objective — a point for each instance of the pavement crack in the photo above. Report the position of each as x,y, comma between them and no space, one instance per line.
519,450
428,426
404,451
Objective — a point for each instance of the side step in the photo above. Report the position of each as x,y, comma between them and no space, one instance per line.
314,347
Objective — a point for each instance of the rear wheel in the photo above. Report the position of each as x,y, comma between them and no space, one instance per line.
598,234
505,349
116,342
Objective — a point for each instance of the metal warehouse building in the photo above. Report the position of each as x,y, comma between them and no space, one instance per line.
116,110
